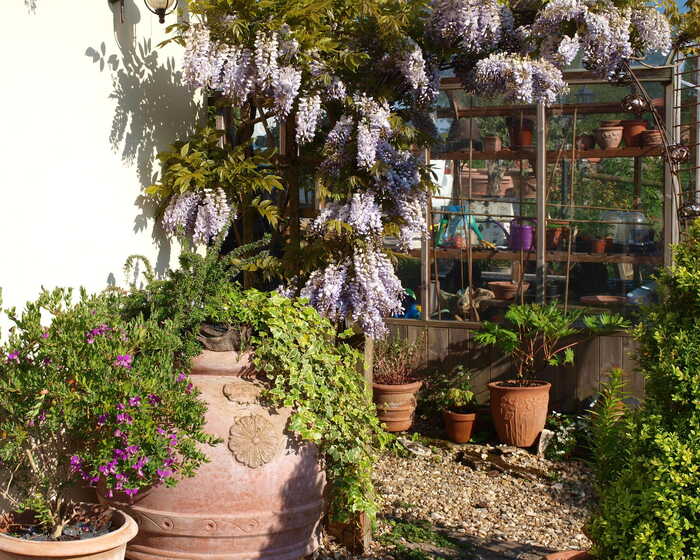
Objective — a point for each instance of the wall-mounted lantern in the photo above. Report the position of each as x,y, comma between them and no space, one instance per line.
161,8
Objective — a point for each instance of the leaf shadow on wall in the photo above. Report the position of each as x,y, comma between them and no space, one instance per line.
31,5
152,109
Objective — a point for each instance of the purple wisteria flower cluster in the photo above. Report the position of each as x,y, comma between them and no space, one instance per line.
422,78
199,215
363,288
525,64
472,26
518,79
361,213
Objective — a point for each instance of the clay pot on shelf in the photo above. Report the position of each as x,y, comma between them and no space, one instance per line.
554,237
507,290
585,142
111,546
492,143
609,138
598,246
259,496
396,404
632,130
650,138
520,132
519,412
459,425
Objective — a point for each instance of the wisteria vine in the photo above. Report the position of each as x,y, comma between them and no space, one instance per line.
352,115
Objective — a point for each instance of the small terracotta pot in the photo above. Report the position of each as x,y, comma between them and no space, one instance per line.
459,427
396,404
492,143
632,130
598,245
585,142
609,137
111,546
554,237
519,413
569,555
506,290
651,138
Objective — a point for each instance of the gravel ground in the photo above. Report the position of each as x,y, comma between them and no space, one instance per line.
487,513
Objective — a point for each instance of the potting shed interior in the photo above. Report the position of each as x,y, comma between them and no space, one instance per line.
570,203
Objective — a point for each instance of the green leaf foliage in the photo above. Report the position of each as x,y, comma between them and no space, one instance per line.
536,335
650,503
87,397
307,366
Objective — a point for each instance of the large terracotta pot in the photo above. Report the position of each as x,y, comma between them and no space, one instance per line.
396,404
260,496
519,413
459,427
106,547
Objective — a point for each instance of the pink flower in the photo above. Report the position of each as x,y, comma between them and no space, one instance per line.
124,360
13,357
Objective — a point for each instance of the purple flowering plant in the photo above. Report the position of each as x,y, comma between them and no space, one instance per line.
92,399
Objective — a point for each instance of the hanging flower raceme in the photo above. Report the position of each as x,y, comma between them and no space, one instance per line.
422,79
651,30
361,213
307,118
199,215
518,79
606,41
363,289
472,26
334,149
398,186
373,125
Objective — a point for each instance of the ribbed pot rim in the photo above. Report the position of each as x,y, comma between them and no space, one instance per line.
460,416
402,388
53,549
496,385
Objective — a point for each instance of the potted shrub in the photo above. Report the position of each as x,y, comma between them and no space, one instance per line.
456,400
395,382
90,400
534,336
594,231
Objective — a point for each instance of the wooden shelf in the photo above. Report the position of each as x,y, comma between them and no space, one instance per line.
530,110
552,155
550,256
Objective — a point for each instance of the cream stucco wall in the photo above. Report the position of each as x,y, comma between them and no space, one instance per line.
85,103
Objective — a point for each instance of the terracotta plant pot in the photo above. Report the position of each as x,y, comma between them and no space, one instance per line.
261,494
569,555
396,404
598,246
651,138
459,426
609,137
111,546
506,290
492,143
519,413
585,142
554,237
632,131
520,133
